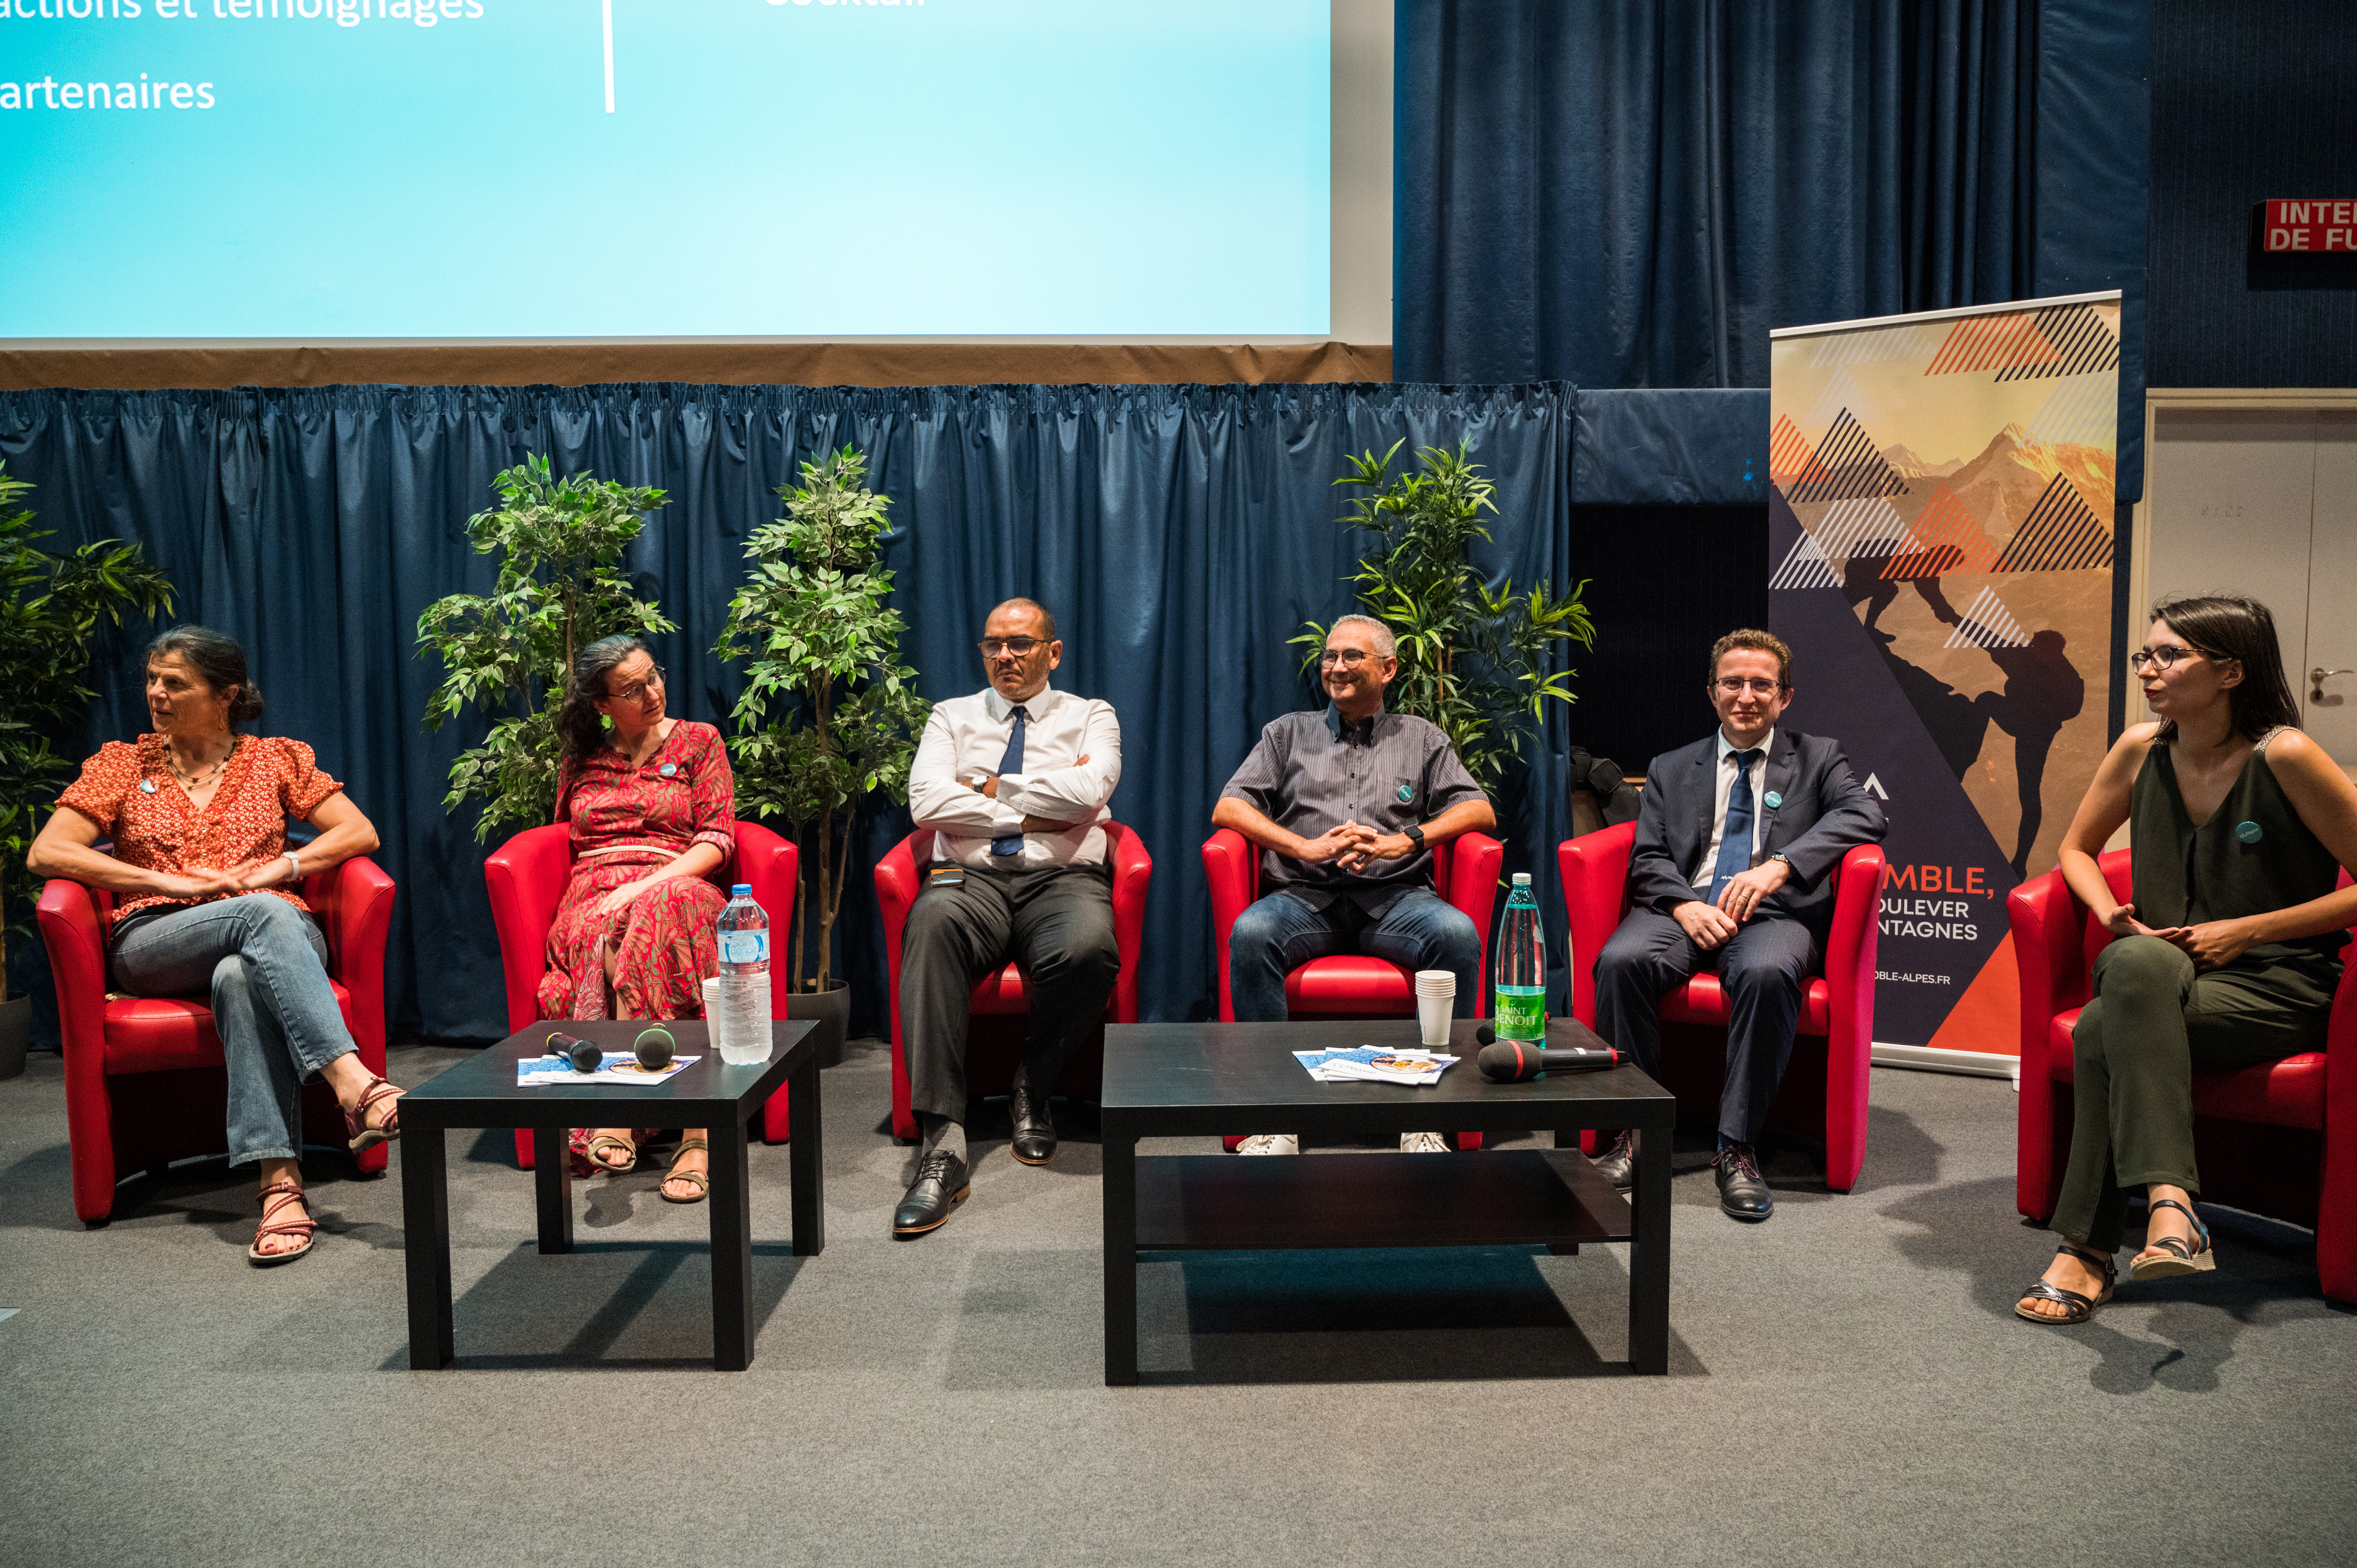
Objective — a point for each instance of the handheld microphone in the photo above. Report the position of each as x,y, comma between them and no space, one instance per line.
584,1055
654,1047
1513,1061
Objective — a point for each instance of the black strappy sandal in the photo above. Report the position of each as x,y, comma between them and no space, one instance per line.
2079,1307
2178,1258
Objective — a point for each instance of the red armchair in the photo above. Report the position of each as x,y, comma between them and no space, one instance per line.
1837,1006
2279,1138
1351,985
1002,1000
145,1081
526,876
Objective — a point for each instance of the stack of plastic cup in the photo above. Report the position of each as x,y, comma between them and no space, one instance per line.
1436,999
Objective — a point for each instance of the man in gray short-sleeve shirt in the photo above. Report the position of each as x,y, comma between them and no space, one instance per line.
1344,806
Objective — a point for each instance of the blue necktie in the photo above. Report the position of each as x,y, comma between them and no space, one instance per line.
1012,844
1735,843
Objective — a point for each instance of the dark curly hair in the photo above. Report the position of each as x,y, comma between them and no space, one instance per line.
2235,628
579,722
219,662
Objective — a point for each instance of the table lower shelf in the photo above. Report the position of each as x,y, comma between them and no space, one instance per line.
1500,1199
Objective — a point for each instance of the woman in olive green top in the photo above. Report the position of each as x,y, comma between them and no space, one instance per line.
2228,955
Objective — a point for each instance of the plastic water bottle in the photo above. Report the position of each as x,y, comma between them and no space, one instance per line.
740,1032
1518,972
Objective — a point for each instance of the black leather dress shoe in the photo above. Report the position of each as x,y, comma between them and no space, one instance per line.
941,1185
1742,1195
1617,1165
1034,1134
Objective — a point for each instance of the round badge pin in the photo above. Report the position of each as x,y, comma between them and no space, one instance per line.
147,786
2249,832
1774,799
668,768
1406,793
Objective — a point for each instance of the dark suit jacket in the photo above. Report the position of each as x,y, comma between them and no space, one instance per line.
1821,813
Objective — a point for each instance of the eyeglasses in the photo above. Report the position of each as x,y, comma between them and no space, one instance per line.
636,691
1021,647
1759,685
1348,658
2164,658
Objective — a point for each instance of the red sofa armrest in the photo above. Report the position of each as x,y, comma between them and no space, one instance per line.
1850,945
1133,873
1232,867
896,894
1594,868
1472,887
354,902
2336,1218
770,865
2050,960
526,878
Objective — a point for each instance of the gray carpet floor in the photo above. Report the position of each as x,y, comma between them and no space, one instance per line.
1848,1383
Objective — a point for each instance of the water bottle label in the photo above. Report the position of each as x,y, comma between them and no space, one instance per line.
1522,1013
744,947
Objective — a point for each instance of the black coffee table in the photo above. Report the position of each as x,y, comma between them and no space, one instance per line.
483,1092
1174,1080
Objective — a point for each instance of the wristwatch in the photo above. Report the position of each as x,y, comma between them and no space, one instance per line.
1415,834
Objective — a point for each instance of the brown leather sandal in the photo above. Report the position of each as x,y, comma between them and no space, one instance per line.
285,1192
2077,1308
356,1123
594,1151
703,1182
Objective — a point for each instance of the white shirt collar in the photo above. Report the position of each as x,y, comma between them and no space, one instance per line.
998,707
1767,747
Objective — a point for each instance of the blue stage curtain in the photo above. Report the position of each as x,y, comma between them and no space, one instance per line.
1631,193
1180,534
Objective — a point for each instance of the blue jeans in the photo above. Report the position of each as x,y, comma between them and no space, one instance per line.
1281,932
264,965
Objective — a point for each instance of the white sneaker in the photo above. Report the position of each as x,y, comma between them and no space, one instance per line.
1271,1143
1423,1144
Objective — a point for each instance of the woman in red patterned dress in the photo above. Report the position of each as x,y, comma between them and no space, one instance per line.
206,906
650,802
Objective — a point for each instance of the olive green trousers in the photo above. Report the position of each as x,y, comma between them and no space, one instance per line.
2154,1022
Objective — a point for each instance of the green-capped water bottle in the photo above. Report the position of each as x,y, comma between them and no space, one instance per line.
1518,972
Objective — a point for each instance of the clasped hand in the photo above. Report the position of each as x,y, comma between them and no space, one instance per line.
2211,945
1354,846
204,882
1713,925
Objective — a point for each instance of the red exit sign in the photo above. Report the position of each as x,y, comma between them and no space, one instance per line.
2313,225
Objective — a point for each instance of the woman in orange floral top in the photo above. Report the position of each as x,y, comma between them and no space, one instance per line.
651,803
206,905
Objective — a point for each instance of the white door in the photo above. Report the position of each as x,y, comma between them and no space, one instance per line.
2327,676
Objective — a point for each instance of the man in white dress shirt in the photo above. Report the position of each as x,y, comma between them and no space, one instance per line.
1013,781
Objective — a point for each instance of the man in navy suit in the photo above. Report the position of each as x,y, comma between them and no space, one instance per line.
1738,837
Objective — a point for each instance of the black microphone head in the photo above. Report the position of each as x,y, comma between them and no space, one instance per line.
584,1055
654,1047
1507,1062
1486,1035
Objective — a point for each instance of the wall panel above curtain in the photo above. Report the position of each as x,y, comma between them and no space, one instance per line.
1181,533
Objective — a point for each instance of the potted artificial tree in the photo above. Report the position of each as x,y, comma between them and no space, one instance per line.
1476,663
827,715
559,590
53,610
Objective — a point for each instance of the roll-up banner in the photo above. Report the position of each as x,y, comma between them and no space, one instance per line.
1940,521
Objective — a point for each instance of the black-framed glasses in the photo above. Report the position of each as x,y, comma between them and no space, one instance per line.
1348,658
2164,656
636,691
1759,685
1021,647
